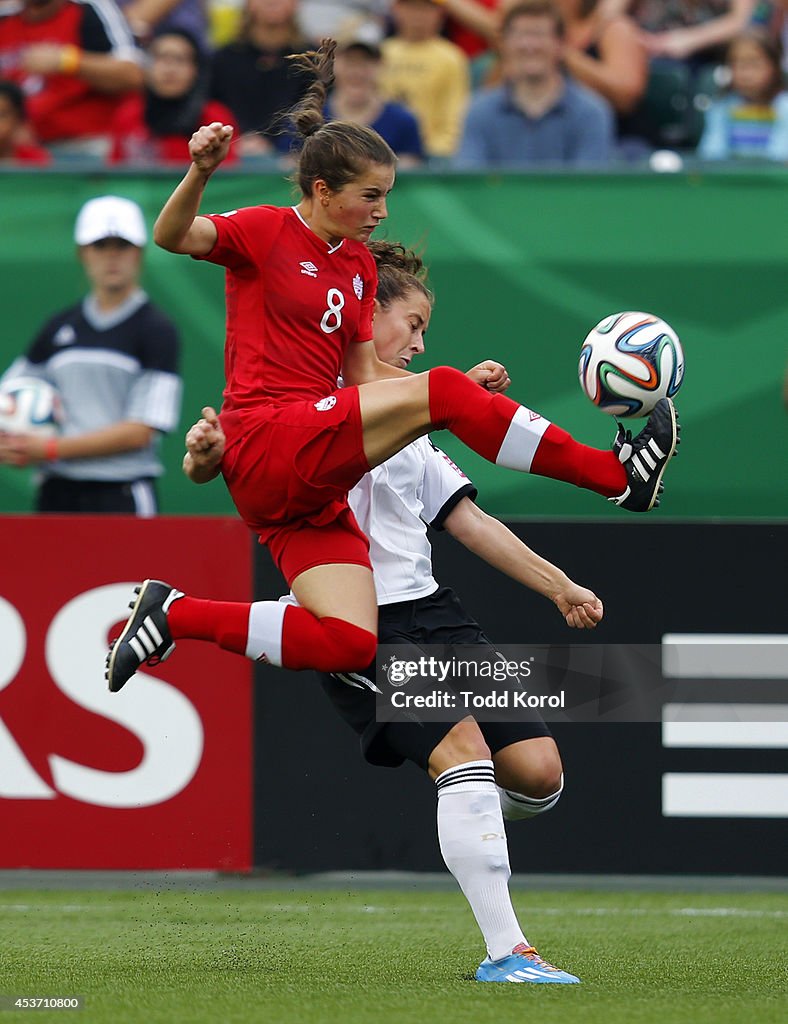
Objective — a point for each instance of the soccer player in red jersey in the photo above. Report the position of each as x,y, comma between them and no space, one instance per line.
300,293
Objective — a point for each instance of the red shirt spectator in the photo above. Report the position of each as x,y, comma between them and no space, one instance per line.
73,60
155,126
134,142
29,153
15,145
472,24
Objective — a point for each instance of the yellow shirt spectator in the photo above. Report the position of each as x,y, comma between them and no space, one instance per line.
427,73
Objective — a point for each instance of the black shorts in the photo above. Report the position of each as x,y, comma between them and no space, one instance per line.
98,497
437,619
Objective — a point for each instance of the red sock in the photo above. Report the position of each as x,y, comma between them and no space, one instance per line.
511,435
560,457
479,419
283,634
327,644
226,623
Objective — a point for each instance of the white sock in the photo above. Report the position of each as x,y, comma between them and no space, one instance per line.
473,844
517,806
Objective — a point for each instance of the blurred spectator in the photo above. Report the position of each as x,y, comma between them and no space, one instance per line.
356,97
254,78
779,25
537,115
345,19
752,121
74,60
147,17
473,25
15,144
605,53
427,73
155,126
683,29
113,358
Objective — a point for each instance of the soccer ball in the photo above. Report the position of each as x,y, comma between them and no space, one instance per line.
629,361
29,405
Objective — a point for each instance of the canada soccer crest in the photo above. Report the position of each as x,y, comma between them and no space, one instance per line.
358,287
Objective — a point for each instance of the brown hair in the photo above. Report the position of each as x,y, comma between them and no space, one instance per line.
771,47
336,151
400,270
534,9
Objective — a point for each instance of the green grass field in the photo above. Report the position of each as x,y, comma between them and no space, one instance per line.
390,957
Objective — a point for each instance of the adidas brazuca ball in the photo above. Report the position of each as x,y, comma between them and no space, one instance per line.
30,406
629,361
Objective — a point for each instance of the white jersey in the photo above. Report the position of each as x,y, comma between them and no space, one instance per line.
392,503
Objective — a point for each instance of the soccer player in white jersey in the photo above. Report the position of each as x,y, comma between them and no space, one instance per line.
483,772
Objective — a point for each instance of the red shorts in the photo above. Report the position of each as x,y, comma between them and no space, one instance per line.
289,469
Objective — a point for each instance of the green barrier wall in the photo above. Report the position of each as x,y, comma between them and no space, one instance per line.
522,268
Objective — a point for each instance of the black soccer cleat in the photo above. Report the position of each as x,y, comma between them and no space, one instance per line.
146,636
646,457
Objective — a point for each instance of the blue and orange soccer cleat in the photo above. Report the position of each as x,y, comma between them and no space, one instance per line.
524,965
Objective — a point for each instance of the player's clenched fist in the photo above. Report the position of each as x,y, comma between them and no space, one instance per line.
210,145
490,375
205,443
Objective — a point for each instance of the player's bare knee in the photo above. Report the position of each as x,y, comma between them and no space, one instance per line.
532,767
463,743
543,784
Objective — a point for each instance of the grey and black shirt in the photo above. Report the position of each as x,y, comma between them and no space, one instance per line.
109,368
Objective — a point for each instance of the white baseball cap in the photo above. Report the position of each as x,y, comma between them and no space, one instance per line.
110,217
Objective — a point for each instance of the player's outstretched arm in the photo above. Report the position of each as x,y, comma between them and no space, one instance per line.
496,544
178,228
205,443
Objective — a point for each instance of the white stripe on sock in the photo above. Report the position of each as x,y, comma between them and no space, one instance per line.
521,441
266,622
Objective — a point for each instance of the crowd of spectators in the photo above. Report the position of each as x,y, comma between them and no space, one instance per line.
449,83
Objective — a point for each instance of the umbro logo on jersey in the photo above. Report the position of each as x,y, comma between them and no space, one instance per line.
307,267
326,403
358,287
65,335
533,415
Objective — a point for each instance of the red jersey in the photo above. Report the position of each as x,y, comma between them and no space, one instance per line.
294,304
64,106
133,141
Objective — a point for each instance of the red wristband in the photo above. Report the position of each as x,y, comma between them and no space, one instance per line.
50,449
